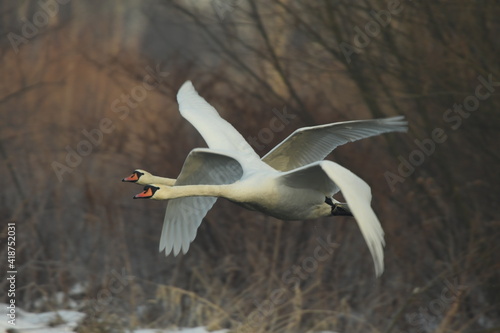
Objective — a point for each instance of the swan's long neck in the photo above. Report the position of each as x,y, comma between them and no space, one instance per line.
173,192
161,180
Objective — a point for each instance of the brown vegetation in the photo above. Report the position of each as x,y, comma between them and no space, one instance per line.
248,57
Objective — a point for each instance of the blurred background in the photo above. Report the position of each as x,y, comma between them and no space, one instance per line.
88,94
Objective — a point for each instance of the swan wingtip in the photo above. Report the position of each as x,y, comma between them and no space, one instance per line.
186,85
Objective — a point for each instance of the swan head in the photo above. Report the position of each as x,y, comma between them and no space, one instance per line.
149,192
138,176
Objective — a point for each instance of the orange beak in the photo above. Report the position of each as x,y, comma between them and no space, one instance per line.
132,178
146,194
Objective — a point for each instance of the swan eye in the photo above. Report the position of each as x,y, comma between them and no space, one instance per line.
151,188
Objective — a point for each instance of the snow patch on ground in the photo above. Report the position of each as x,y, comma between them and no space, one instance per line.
183,330
65,321
61,321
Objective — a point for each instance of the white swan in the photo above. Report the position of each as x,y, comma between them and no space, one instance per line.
289,182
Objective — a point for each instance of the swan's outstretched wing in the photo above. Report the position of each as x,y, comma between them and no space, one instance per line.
310,144
217,132
328,177
184,215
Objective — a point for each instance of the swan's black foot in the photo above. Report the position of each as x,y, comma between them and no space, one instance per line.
339,209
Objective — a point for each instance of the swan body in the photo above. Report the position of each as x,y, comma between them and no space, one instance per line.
291,182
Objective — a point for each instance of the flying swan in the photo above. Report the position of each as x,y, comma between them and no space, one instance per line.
291,182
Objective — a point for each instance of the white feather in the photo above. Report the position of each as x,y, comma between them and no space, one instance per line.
311,144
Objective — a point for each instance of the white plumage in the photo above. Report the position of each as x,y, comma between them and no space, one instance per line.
291,182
